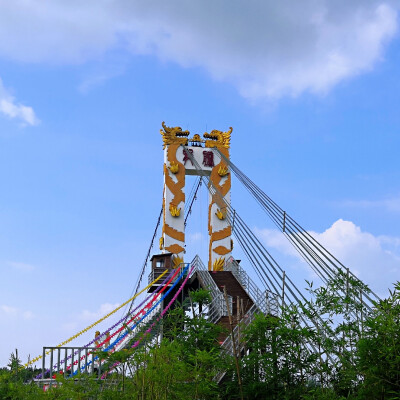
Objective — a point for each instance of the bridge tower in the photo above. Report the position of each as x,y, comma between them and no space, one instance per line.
177,164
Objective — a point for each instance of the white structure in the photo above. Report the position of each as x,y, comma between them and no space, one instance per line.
177,165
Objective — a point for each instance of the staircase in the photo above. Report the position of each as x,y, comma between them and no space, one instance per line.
241,301
242,292
217,309
233,288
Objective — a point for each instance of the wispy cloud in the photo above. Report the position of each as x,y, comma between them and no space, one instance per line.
104,309
21,266
16,312
390,240
28,315
97,78
8,309
12,109
88,316
390,204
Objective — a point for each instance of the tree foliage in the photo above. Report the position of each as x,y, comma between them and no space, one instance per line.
331,347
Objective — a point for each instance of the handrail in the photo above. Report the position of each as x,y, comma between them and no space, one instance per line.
133,332
155,312
266,305
217,308
243,278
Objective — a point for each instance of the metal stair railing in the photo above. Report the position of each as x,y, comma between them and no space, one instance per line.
262,305
66,361
244,279
82,359
150,317
153,314
217,308
266,305
134,332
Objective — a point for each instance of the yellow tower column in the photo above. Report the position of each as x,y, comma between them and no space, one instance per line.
219,227
173,231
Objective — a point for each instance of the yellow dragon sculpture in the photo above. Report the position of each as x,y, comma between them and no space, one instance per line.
173,135
218,138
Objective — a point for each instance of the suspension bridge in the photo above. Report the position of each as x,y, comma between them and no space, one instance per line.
235,297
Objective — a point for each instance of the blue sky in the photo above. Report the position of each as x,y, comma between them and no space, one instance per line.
312,93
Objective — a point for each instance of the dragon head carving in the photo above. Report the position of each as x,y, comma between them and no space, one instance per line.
218,138
173,135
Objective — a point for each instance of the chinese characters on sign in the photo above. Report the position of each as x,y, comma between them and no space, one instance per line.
186,156
208,158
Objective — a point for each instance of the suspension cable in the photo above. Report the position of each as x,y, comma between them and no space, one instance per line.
258,249
140,277
192,198
319,258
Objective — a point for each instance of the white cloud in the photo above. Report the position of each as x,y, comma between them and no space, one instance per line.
16,312
13,109
390,204
104,309
28,315
8,309
21,266
264,48
107,71
374,259
390,240
85,317
275,239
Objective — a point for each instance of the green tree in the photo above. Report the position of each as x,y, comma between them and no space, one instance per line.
379,350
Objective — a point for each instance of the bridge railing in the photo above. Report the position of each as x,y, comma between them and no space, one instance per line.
157,272
154,314
244,279
67,361
217,308
266,305
133,332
